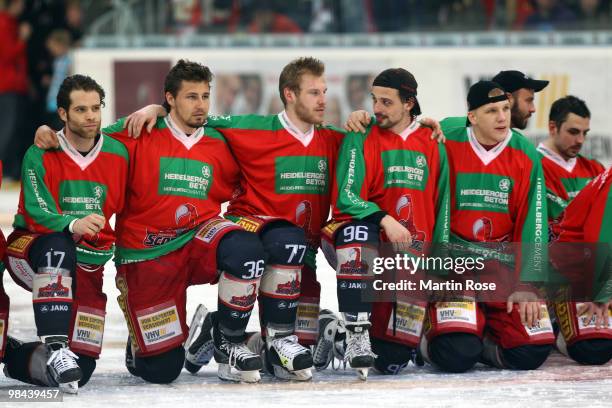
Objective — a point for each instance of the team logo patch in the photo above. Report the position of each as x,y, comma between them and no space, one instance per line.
247,300
482,230
354,265
54,289
88,329
210,230
288,288
504,184
159,325
303,215
421,161
322,166
405,216
186,216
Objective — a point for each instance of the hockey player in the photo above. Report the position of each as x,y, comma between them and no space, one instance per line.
566,171
521,90
377,199
286,162
62,239
586,326
170,237
4,299
497,195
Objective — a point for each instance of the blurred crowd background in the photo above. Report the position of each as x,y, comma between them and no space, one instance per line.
36,37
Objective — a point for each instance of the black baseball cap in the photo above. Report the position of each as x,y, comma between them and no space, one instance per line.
514,80
484,92
403,81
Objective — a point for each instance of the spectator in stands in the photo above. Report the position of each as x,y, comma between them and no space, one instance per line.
267,20
550,15
592,15
13,78
58,44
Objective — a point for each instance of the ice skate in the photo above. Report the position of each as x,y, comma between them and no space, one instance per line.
236,362
289,359
330,342
62,365
199,347
358,352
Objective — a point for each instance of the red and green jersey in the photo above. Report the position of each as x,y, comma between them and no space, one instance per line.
565,178
285,173
498,195
176,182
588,219
61,185
404,175
2,239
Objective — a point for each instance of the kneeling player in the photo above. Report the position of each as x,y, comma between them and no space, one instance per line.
375,202
4,299
62,240
170,237
497,191
586,327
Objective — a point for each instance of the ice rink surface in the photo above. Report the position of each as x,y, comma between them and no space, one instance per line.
559,383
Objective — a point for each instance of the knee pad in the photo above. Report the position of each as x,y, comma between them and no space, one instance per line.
591,352
528,357
162,368
88,365
54,251
241,254
455,352
391,358
284,243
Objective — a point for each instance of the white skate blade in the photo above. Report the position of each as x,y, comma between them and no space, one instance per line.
69,387
225,372
298,375
362,373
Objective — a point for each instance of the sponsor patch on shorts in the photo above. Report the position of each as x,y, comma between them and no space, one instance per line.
249,224
456,312
159,325
307,319
585,326
3,319
88,329
211,230
543,327
409,318
22,270
21,244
